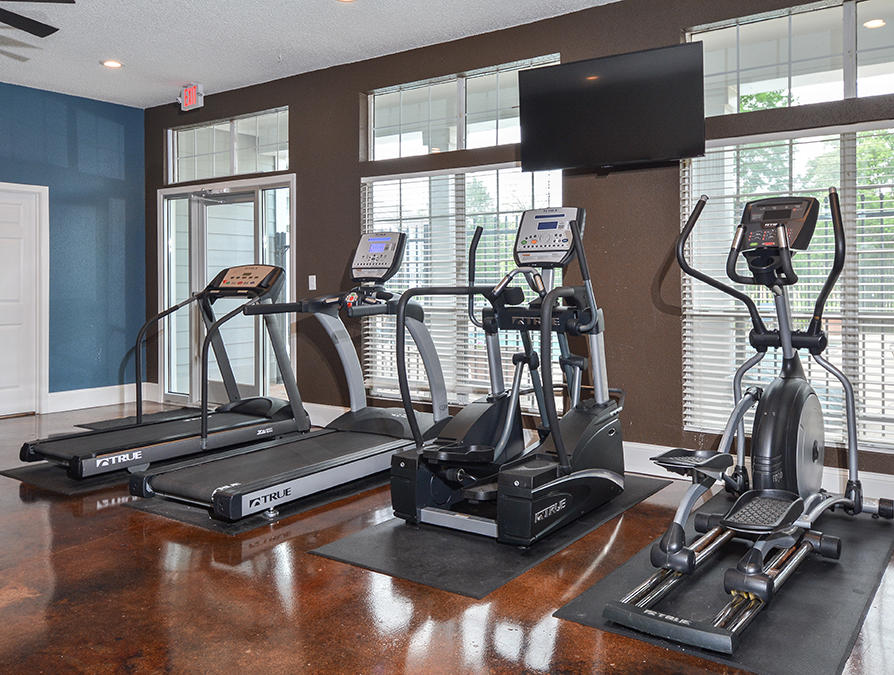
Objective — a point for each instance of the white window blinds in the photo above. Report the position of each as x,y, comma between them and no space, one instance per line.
439,214
859,316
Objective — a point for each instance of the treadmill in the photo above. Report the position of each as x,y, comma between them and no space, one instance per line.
261,478
135,446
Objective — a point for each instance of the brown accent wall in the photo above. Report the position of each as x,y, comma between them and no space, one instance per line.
633,217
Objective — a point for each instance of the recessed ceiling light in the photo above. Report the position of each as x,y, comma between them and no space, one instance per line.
112,63
592,77
874,23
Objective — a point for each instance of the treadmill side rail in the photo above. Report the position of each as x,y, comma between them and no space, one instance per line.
239,501
83,467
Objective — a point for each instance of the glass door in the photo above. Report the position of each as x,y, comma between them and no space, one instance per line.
231,238
207,230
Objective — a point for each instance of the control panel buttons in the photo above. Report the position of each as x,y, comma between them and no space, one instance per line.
245,277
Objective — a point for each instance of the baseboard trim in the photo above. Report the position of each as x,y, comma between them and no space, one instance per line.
875,485
78,399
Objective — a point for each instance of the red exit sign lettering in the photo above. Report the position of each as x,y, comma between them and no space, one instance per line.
191,96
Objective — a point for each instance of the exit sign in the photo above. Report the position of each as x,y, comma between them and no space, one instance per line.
191,96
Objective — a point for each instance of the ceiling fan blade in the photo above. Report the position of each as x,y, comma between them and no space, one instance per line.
13,56
24,23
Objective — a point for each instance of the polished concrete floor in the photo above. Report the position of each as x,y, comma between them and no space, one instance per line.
89,586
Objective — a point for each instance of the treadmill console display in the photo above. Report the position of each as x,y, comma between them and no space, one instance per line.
245,280
544,237
762,217
378,256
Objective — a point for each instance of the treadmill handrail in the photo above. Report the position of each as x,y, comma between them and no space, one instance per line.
206,343
193,297
354,311
138,349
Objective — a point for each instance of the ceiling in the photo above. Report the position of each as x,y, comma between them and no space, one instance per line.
226,44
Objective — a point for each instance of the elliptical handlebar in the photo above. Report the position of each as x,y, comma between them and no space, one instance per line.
816,322
473,253
549,401
733,257
401,341
585,275
785,254
735,249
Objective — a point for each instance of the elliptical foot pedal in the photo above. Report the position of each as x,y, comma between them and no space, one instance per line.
763,511
486,492
460,452
687,462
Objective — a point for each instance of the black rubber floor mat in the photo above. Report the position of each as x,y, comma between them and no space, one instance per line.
162,416
53,478
201,517
810,627
468,564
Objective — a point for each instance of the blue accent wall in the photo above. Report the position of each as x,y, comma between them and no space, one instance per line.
91,155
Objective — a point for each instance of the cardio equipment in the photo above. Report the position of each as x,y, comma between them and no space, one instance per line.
775,518
475,475
154,438
262,477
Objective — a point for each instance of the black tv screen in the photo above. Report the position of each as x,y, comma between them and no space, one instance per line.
629,110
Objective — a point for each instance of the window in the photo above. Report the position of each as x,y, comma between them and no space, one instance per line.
255,143
875,47
859,316
439,214
469,110
797,57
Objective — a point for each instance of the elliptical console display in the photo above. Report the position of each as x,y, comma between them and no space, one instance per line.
544,238
378,256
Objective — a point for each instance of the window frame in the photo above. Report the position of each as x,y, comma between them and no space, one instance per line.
172,156
460,79
850,53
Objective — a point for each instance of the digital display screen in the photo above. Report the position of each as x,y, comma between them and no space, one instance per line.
777,214
380,238
644,107
552,225
377,248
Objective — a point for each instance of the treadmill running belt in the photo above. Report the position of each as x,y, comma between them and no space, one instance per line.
199,482
150,418
90,444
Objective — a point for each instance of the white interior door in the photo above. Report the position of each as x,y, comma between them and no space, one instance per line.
19,281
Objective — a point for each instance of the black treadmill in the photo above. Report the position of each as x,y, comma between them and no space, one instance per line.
259,478
242,420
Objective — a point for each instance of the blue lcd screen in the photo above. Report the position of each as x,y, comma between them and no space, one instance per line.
552,225
376,248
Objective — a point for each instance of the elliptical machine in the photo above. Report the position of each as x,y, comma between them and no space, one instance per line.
475,476
776,517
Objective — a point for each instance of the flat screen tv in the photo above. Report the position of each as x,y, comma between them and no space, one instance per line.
631,110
